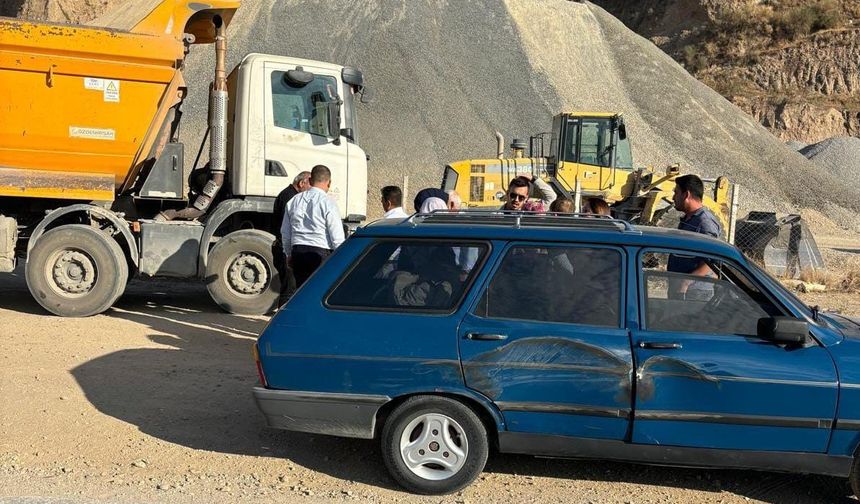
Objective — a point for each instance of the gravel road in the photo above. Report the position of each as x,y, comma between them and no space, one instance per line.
150,402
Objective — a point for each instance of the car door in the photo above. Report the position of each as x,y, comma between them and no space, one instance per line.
296,131
704,379
546,341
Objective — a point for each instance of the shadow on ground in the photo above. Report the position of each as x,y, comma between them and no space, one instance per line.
194,390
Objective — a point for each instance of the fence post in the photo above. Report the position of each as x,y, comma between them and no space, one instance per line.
733,213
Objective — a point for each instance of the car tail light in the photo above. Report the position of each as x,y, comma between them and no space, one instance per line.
259,366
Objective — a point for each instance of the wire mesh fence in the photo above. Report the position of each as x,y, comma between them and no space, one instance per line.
782,245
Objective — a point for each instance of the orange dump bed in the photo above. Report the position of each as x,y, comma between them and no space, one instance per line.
80,107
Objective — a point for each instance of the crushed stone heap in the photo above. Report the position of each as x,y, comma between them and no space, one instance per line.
840,156
448,74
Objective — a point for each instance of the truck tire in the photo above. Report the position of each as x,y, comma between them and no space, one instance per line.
434,445
241,275
76,271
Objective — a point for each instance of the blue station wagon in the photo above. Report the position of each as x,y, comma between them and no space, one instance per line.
448,334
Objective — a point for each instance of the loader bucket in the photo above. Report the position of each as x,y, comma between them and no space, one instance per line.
783,246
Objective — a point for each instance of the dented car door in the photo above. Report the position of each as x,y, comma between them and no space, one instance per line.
706,379
546,341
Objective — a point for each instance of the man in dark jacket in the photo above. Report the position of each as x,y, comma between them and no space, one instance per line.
288,281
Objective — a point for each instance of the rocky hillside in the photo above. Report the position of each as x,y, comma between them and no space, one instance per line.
792,64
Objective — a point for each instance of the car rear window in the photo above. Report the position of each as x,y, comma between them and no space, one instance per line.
410,275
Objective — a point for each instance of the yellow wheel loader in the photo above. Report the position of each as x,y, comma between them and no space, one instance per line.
588,155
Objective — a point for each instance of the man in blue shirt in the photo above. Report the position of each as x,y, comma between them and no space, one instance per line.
687,198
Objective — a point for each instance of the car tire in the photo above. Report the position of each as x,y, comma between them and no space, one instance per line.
76,271
414,438
241,275
854,478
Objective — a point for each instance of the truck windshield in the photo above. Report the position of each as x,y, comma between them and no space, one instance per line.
589,141
302,108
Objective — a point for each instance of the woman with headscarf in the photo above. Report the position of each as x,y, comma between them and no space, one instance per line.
433,203
425,194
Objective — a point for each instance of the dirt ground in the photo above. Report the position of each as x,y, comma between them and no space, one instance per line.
151,402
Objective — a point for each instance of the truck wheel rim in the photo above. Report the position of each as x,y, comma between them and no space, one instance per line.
247,274
72,273
434,446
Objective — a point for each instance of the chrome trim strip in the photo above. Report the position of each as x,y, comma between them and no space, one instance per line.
541,365
290,395
850,385
744,379
735,419
565,409
847,424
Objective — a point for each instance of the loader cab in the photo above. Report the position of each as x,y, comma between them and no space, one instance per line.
593,139
591,147
289,115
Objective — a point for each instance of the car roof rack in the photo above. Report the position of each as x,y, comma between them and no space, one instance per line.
520,219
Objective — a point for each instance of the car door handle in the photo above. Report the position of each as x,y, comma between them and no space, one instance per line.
659,345
486,337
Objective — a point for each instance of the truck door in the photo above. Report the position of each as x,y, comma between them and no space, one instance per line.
546,341
296,132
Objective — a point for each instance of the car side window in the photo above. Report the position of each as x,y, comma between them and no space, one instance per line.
576,285
410,275
688,293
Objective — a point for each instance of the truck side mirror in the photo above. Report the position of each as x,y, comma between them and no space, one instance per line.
783,330
334,120
622,132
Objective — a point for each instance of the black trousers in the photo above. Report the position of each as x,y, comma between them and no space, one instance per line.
288,279
306,260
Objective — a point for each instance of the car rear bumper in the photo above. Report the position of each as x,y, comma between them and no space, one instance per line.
347,415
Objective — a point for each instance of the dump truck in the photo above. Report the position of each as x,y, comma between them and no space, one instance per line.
586,155
93,186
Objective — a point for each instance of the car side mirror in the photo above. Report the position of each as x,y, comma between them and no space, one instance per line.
783,330
334,120
348,133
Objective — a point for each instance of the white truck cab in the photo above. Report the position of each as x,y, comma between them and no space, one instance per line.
283,114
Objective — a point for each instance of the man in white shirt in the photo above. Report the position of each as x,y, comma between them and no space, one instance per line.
312,226
392,203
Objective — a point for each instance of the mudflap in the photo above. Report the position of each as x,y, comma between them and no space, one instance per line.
784,246
8,239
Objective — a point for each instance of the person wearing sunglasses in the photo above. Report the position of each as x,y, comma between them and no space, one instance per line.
519,189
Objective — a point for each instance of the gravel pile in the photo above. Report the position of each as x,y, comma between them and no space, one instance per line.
447,74
840,156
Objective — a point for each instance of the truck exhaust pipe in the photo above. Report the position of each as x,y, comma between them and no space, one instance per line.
217,133
500,146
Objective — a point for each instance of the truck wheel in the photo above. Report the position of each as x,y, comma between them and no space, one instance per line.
240,274
76,271
434,445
